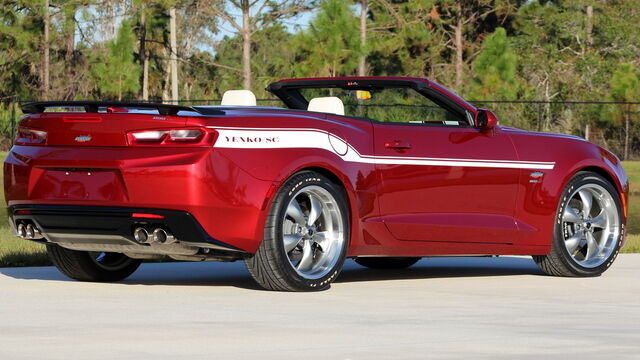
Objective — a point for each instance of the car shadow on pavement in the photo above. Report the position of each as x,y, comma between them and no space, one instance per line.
445,267
236,274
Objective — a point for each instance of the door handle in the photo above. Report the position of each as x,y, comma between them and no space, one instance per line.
397,145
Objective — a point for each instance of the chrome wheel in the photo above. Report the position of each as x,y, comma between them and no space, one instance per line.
313,232
590,225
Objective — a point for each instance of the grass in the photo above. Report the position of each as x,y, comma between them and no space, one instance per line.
17,252
632,245
633,172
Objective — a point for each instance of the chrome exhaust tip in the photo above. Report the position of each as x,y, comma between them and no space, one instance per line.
22,232
141,235
163,237
29,232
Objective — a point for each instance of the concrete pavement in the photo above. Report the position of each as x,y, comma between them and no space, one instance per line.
442,308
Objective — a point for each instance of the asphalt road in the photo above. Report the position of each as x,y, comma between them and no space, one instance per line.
446,308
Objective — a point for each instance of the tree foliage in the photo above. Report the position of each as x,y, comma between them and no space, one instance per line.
116,73
330,47
495,69
546,50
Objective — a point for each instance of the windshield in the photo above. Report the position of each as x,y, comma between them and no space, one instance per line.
389,104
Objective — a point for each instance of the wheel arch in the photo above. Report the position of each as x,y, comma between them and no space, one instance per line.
613,180
349,193
336,180
602,172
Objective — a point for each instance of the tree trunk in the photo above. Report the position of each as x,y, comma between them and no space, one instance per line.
143,56
174,55
45,55
167,78
69,39
589,25
587,131
459,46
362,61
246,45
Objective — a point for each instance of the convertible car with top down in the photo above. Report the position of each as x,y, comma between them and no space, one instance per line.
385,170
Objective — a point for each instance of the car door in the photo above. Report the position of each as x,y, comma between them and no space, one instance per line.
445,180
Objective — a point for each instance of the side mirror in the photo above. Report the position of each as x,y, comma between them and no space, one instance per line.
486,119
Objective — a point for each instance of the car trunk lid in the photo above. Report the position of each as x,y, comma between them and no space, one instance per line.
96,129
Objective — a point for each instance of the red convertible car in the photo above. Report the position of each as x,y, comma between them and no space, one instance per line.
381,169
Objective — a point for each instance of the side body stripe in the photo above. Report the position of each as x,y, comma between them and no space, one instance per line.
286,138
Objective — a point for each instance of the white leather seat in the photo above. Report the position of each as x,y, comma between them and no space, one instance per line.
238,98
329,104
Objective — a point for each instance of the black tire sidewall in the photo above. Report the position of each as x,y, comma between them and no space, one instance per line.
79,265
579,180
286,193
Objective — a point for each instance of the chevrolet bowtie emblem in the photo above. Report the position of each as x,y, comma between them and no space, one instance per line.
83,138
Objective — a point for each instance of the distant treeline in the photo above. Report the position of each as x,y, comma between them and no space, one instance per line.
485,50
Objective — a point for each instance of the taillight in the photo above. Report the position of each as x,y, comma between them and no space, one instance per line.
28,136
171,137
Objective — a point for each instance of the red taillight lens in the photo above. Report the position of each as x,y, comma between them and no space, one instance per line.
28,136
146,216
171,137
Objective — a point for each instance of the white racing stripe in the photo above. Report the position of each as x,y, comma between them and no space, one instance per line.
283,138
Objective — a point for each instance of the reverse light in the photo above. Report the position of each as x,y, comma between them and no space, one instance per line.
171,137
29,136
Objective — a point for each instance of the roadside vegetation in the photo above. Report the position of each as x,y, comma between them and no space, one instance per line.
633,172
17,252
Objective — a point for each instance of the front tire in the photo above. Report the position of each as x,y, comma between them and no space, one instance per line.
306,236
588,228
92,266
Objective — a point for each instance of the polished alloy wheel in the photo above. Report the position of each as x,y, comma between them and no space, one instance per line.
590,225
313,232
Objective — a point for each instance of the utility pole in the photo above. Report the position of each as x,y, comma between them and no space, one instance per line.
45,57
174,55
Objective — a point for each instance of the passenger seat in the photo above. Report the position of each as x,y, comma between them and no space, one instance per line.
238,98
330,104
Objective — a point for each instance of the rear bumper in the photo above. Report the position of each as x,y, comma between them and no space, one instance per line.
110,225
228,204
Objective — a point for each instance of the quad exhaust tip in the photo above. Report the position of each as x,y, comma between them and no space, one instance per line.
141,235
28,231
162,236
22,231
149,236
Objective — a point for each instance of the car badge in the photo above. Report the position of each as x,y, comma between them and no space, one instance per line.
83,138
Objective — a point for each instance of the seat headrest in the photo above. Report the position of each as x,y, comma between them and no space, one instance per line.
238,98
330,104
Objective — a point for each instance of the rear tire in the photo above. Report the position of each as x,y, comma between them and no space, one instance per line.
387,262
588,229
92,266
306,236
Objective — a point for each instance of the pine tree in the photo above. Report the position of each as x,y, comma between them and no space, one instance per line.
625,87
495,69
330,47
117,75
